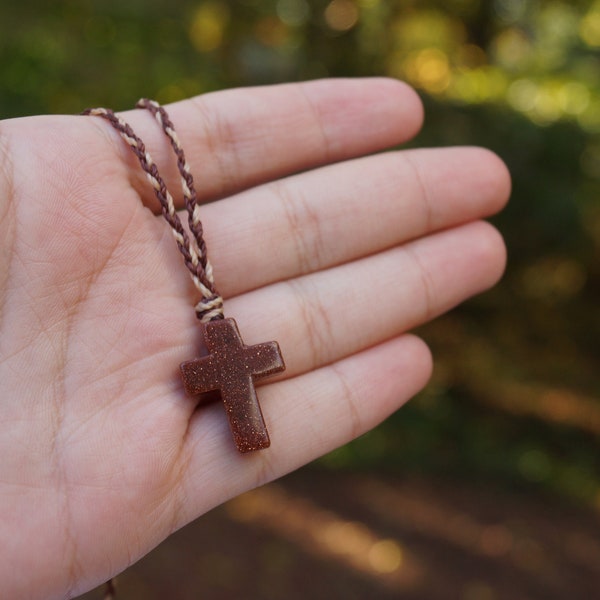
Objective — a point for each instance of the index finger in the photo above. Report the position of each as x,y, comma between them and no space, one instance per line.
238,138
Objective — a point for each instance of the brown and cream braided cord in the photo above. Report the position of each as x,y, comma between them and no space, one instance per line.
110,592
193,248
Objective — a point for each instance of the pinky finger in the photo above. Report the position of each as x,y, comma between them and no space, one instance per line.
307,416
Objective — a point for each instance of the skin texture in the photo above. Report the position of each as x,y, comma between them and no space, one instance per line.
316,242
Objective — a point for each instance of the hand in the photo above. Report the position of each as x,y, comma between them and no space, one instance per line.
331,252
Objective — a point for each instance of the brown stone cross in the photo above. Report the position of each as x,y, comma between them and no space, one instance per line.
231,368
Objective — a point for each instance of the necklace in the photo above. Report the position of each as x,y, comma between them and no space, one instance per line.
231,367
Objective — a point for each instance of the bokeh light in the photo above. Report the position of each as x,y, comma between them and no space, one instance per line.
208,25
341,15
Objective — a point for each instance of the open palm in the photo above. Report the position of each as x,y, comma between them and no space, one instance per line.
331,252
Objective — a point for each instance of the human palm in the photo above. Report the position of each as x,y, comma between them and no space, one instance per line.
331,252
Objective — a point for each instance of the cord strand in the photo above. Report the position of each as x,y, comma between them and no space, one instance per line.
187,180
210,306
110,590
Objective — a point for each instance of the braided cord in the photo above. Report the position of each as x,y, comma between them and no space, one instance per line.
110,591
210,306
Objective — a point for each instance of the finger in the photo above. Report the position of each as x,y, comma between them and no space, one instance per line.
307,416
235,139
323,317
342,212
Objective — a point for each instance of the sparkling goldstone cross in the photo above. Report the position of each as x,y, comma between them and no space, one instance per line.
231,367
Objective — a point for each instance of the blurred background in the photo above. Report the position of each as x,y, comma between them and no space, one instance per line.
487,485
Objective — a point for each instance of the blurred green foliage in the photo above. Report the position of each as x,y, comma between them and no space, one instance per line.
515,393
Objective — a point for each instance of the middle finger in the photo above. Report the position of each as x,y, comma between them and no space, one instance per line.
343,212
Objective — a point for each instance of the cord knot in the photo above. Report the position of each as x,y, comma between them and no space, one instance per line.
210,308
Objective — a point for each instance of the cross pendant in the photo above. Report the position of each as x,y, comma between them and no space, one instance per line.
231,368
